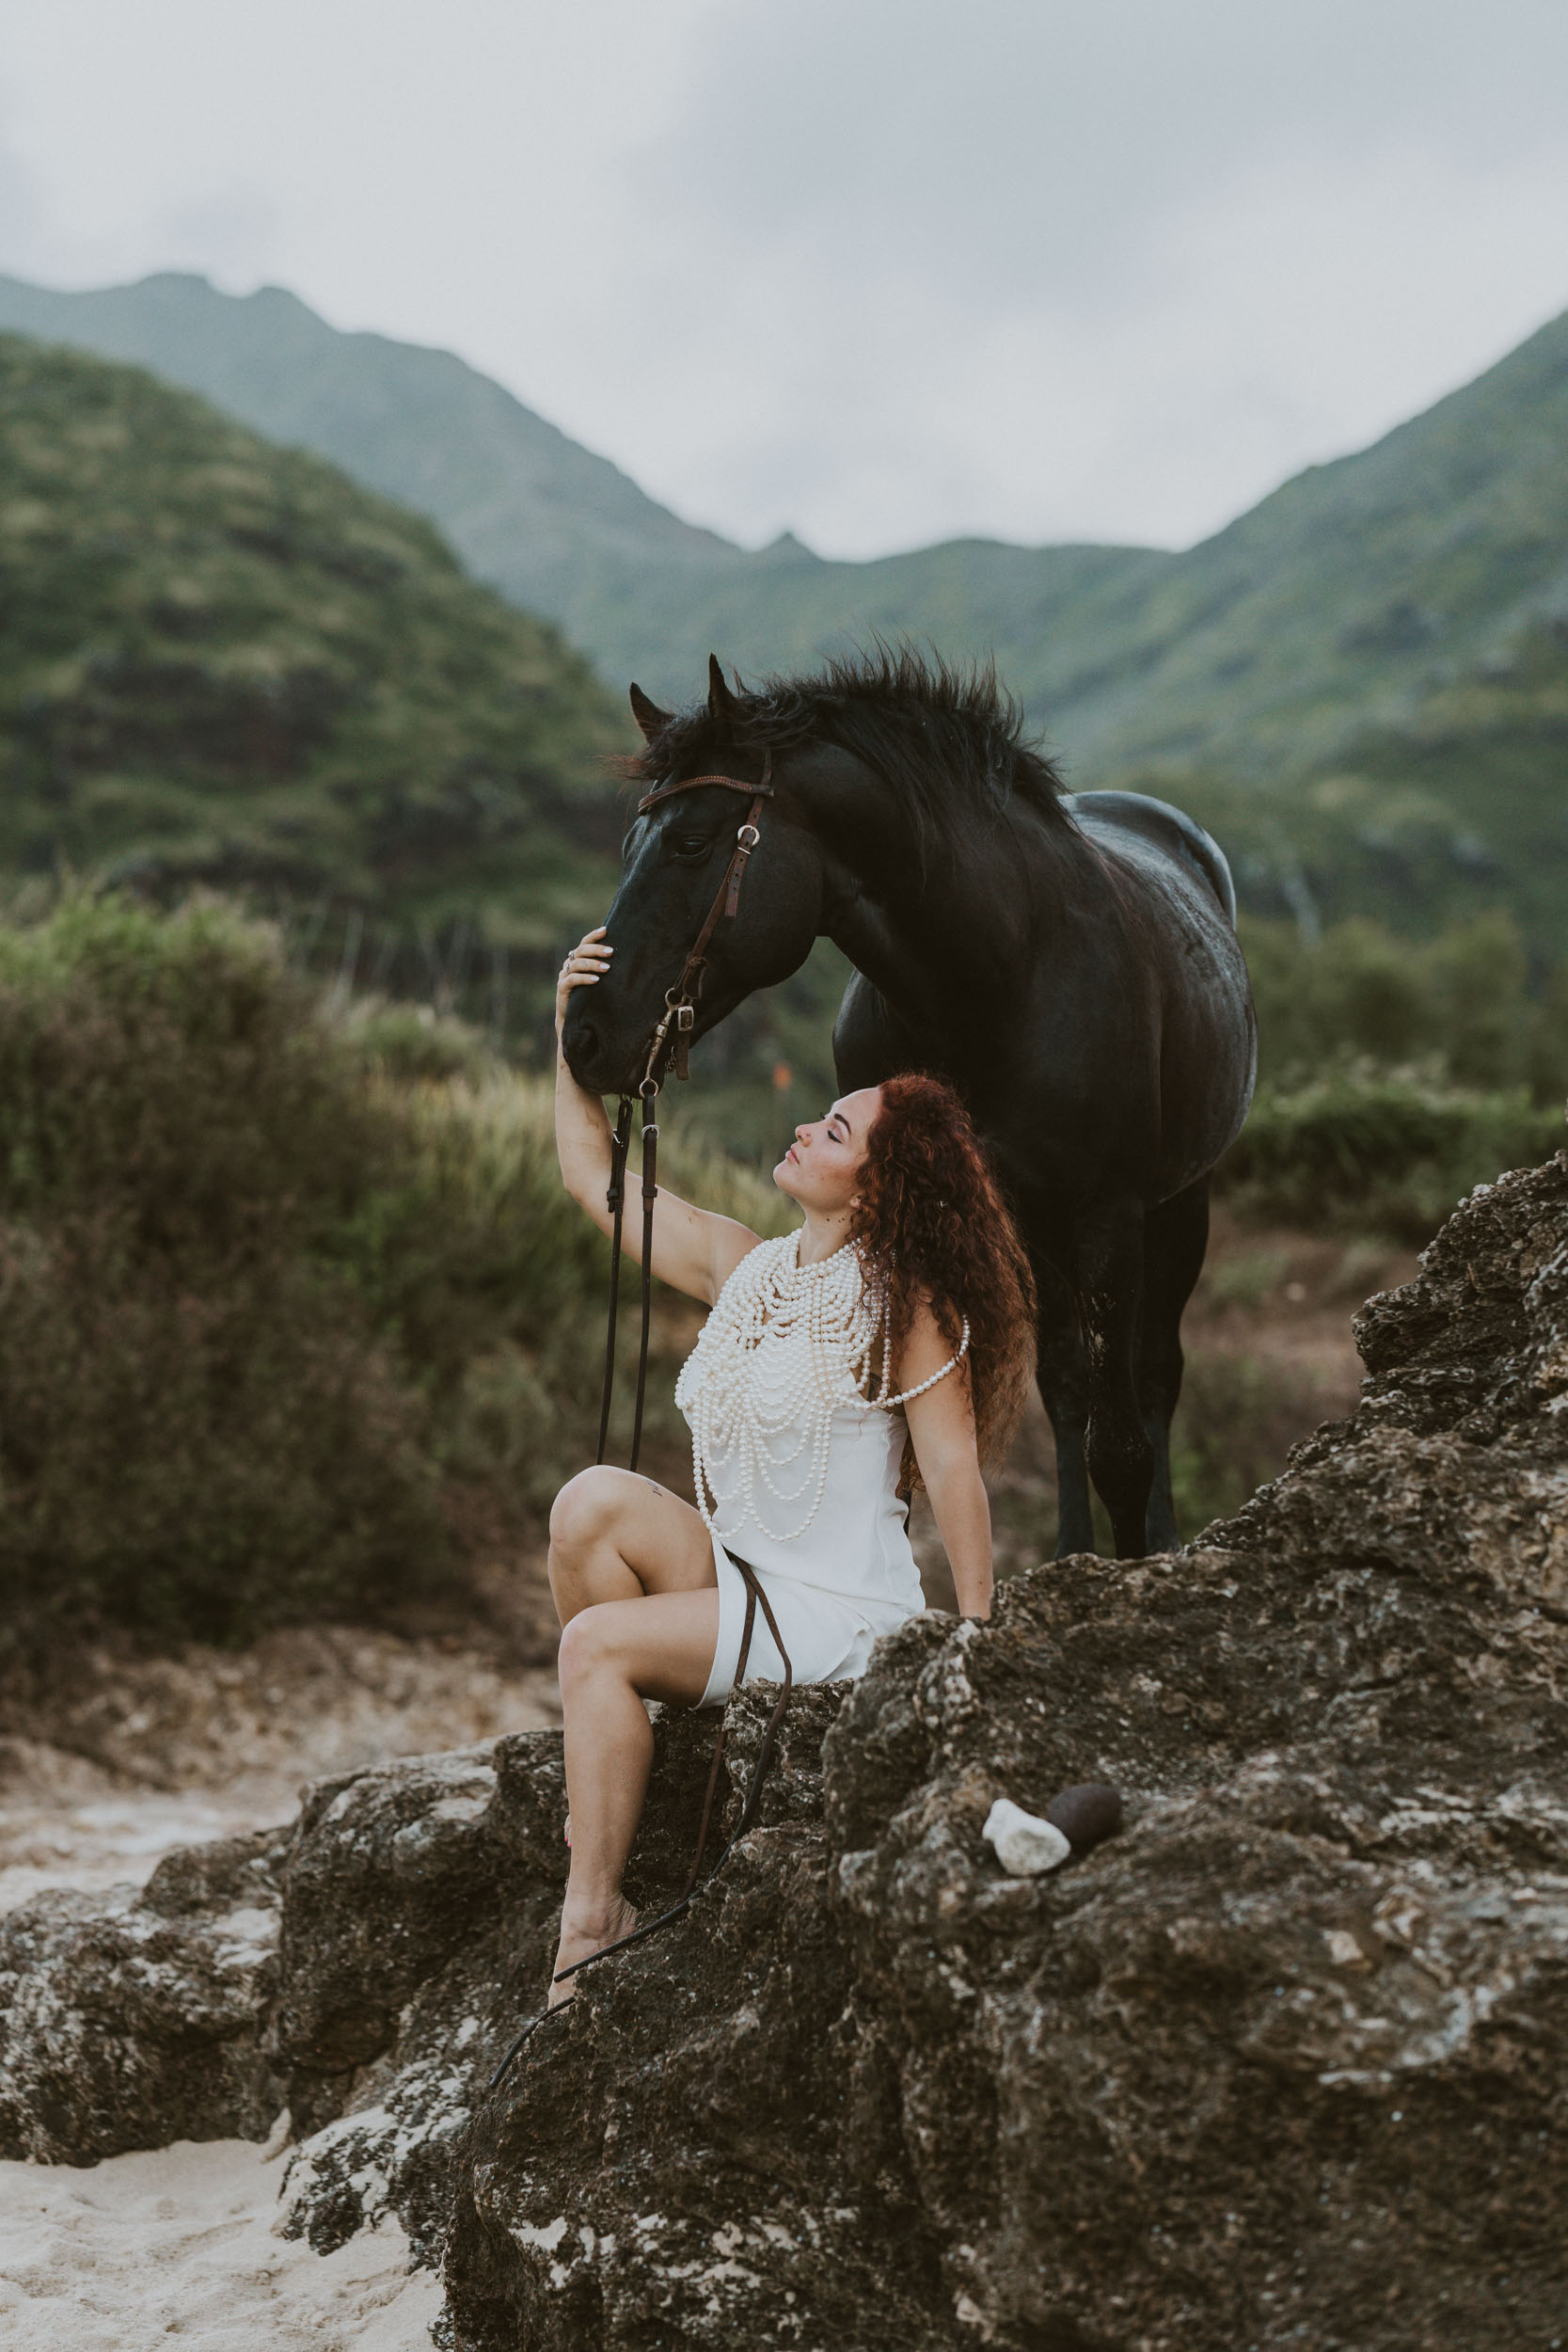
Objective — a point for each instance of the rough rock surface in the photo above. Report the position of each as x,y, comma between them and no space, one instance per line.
134,2018
1286,2063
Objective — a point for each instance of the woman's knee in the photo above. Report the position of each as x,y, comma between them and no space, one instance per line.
588,1645
587,1507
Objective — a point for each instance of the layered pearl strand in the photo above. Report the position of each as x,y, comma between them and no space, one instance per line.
785,1346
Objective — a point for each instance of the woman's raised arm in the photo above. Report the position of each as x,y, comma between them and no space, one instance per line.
694,1250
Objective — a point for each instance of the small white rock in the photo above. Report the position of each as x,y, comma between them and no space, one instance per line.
1021,1842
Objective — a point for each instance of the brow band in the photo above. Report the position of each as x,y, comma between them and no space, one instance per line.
732,784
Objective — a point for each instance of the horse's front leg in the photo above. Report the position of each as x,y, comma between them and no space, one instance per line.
1110,1263
1060,1376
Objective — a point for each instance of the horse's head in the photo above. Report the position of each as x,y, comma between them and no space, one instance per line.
674,858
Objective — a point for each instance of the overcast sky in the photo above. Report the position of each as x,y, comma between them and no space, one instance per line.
879,271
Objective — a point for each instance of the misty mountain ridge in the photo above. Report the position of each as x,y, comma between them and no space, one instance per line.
553,526
1362,683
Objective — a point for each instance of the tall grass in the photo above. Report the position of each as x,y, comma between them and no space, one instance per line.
273,1310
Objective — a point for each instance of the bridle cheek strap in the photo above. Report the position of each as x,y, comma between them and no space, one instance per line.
671,1041
671,1038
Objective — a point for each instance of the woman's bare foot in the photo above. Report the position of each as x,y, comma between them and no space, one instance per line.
582,1932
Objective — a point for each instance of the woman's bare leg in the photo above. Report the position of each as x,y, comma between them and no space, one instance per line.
613,1654
631,1569
615,1535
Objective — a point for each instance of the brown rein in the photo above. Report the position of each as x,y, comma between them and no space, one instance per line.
669,1046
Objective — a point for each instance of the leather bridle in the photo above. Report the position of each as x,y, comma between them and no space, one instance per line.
668,1048
680,1002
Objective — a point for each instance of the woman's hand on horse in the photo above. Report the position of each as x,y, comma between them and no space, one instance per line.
587,963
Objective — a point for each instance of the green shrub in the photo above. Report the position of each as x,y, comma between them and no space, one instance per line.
494,1281
1380,1151
1464,1003
405,1041
270,1309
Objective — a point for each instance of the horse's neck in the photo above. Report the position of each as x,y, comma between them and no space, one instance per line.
930,938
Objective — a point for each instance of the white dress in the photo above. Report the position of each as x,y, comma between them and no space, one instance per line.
839,1574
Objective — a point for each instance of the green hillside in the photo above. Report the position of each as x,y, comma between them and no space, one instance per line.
1343,603
223,663
556,529
1362,683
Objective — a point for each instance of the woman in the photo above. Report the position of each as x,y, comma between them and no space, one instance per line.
885,1342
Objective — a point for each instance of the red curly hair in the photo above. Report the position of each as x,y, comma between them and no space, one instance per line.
931,1219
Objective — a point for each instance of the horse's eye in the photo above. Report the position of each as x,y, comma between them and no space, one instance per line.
689,845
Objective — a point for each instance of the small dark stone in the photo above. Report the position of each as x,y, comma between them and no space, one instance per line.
1085,1814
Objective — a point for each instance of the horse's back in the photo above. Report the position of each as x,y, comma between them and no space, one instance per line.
1103,816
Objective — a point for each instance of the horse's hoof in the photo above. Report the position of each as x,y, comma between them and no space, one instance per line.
1085,1814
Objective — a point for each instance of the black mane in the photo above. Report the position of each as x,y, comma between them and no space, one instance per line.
946,737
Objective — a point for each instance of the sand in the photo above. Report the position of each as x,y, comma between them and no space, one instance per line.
136,1756
178,2245
139,1756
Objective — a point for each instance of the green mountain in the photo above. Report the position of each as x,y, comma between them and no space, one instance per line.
553,528
222,661
1362,683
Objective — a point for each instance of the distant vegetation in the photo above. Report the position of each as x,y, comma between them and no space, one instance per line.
1363,1151
1394,1077
1362,684
295,1319
1471,1006
221,662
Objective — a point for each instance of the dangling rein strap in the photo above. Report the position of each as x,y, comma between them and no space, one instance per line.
670,1042
755,1594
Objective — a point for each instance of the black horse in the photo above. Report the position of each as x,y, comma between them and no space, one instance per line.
1068,960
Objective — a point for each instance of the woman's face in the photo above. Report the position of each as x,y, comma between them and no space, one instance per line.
823,1164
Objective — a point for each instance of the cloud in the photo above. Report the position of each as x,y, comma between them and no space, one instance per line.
1048,270
882,272
1023,149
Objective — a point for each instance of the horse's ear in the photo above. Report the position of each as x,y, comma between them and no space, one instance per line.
647,713
722,708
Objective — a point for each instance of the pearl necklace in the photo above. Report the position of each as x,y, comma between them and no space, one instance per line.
785,1346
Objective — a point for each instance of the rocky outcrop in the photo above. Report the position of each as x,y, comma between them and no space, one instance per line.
1285,2063
132,2019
